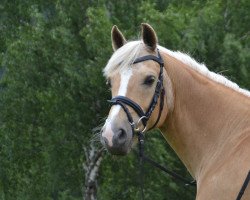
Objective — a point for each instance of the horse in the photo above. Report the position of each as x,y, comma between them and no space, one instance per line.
203,116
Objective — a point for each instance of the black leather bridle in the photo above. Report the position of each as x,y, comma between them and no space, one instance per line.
159,93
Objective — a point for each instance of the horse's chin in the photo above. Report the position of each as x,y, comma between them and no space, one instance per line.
122,151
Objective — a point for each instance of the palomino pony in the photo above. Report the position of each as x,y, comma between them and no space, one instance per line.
204,117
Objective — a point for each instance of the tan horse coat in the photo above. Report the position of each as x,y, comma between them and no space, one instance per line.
209,129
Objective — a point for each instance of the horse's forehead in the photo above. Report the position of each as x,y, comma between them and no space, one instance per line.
127,71
123,58
120,81
134,72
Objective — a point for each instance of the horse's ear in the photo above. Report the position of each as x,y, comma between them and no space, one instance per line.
149,36
118,40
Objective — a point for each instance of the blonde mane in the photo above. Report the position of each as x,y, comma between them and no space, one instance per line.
124,57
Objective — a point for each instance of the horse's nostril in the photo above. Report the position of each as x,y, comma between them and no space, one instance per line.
120,137
122,134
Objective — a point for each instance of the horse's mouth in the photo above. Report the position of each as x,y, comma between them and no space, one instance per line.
119,150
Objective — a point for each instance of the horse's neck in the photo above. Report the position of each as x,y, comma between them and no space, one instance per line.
205,118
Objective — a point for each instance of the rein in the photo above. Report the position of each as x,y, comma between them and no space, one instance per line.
144,117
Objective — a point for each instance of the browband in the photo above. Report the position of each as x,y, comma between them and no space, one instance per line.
150,57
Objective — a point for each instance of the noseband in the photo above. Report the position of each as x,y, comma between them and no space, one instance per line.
159,92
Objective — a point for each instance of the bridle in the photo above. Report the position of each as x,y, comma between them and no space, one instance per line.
159,93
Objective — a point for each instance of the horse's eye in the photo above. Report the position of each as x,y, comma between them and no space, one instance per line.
108,83
149,80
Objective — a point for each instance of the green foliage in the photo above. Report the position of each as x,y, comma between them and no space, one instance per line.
52,91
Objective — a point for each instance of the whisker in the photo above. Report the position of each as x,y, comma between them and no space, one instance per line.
97,132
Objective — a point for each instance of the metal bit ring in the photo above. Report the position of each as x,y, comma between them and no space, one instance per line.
137,129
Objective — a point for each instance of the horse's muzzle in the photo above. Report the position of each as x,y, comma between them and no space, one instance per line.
117,140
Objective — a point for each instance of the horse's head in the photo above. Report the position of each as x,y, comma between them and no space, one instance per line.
135,81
